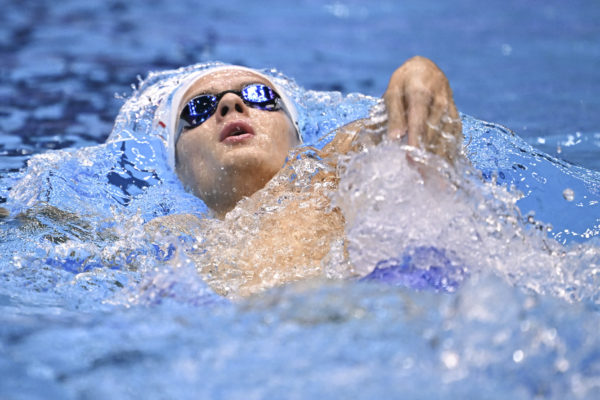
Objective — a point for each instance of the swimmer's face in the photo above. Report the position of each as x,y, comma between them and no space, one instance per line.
238,149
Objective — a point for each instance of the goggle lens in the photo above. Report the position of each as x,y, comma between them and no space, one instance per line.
199,109
202,107
260,96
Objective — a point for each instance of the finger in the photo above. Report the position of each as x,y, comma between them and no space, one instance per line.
433,130
396,110
450,137
418,113
453,128
442,130
450,121
447,144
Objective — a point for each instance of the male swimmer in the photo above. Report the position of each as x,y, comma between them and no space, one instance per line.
229,132
230,128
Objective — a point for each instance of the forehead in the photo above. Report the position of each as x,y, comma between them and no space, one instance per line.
228,79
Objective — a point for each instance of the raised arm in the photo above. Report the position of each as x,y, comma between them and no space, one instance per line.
420,106
420,110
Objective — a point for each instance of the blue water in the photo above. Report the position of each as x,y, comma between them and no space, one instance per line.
91,308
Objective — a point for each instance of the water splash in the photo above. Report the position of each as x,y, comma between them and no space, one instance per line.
392,207
122,302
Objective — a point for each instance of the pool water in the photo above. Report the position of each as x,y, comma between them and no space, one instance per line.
494,292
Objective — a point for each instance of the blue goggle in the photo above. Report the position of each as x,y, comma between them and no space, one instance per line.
202,107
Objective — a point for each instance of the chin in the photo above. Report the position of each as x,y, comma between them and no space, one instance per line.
251,158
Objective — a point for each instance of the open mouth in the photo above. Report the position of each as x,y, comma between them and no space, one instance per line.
236,131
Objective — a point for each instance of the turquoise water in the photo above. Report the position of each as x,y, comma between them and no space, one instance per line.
93,308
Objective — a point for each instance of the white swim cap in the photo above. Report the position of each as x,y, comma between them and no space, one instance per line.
167,115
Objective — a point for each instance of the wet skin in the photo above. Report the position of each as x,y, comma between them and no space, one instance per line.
292,239
237,150
221,168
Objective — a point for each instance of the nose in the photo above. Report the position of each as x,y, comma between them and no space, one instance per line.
230,103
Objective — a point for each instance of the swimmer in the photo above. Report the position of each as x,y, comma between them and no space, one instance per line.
230,130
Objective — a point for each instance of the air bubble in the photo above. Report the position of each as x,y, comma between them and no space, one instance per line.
568,194
518,356
450,359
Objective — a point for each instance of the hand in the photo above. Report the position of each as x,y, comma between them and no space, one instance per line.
420,106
